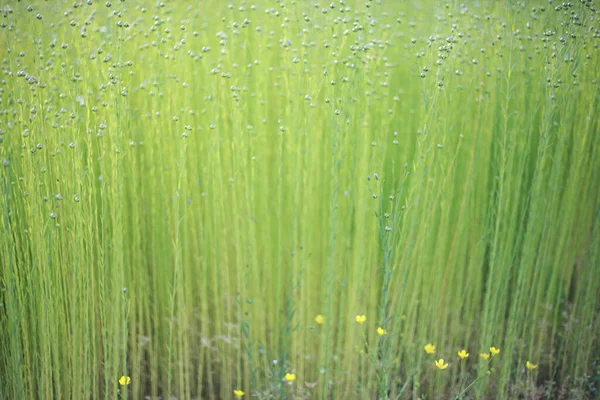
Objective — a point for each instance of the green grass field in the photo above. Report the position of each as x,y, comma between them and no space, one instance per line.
299,199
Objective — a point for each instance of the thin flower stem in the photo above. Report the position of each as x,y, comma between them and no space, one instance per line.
468,387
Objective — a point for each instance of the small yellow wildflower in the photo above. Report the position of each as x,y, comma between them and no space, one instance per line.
463,354
381,331
238,393
494,351
319,319
290,377
485,356
429,348
440,364
124,380
361,319
530,366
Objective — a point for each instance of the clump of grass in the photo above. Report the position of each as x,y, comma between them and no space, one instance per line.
183,189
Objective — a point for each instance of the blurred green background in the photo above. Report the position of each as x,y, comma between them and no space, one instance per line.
186,185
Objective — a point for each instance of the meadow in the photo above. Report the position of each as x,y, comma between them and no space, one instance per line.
299,199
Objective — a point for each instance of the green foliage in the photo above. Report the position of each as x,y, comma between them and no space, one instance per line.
185,185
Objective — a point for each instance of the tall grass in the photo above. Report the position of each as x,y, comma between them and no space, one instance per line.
186,186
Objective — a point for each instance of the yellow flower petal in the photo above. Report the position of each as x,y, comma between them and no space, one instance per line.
530,366
319,319
494,351
290,377
238,393
485,356
440,364
124,380
463,354
429,348
381,331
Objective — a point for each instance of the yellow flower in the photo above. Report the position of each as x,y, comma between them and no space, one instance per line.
530,365
319,319
361,319
124,380
429,348
290,377
381,331
463,354
238,393
440,364
485,356
494,351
